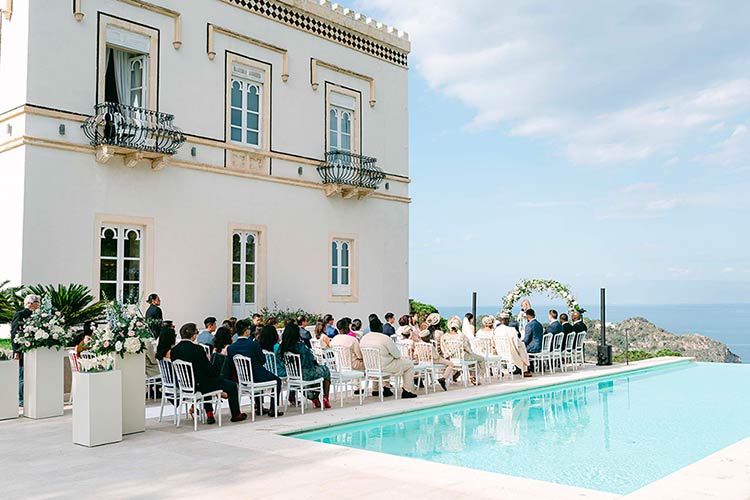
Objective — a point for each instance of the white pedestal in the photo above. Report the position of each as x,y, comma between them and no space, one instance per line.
43,383
97,408
133,368
8,389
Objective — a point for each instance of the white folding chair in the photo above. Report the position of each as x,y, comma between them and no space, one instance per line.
247,385
578,353
568,348
374,372
483,347
296,383
183,371
207,349
538,358
339,362
73,369
557,341
169,390
426,364
502,348
456,353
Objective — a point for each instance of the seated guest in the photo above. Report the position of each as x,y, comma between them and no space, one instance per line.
455,334
391,362
405,332
428,336
388,328
206,337
578,324
488,328
167,339
351,343
207,378
375,324
83,339
518,355
330,329
566,326
533,333
320,334
357,328
252,349
304,333
272,321
268,338
256,320
219,352
311,370
343,326
554,326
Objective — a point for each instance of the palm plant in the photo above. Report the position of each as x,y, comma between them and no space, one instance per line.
75,302
10,301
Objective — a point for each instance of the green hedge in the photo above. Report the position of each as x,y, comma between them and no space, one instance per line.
640,355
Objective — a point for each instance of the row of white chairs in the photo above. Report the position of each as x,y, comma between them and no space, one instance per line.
553,352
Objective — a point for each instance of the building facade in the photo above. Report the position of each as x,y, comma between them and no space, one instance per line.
225,154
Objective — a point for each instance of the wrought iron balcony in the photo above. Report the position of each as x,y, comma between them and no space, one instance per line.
120,128
349,174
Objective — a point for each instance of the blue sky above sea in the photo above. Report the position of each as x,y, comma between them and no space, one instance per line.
603,145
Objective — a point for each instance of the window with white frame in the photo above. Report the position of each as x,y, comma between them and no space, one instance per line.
121,262
244,272
245,107
341,256
341,121
127,67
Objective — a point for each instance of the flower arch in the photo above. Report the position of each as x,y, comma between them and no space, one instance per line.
550,288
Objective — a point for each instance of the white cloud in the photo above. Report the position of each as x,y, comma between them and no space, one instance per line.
733,151
609,82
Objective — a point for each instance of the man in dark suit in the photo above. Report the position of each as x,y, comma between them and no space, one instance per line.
533,334
153,314
30,304
388,329
578,324
207,379
554,326
567,328
250,348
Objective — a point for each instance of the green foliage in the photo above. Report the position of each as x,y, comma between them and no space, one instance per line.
10,302
5,344
640,355
286,315
74,301
423,310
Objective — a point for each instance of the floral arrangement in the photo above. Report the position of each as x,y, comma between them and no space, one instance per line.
100,363
45,328
125,332
550,288
6,355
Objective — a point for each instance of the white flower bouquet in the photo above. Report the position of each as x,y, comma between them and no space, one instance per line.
125,332
101,363
45,328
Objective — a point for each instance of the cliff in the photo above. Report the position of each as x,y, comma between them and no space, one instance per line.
645,336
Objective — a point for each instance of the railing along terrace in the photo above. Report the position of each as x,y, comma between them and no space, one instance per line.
344,167
135,128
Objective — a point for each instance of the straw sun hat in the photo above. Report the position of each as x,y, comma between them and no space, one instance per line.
433,319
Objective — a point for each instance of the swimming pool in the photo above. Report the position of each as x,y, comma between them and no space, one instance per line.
613,434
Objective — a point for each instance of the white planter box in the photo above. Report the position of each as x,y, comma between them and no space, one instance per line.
133,368
97,408
8,389
43,383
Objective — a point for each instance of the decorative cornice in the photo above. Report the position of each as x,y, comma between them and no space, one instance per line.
334,23
314,63
212,29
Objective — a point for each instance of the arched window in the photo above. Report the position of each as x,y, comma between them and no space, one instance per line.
121,262
245,105
340,267
244,270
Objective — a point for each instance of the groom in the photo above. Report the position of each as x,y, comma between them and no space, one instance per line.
533,333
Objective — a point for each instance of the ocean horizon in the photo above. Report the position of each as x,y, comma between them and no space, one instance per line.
727,323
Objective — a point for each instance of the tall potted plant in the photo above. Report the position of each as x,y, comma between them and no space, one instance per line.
40,340
8,385
97,408
126,335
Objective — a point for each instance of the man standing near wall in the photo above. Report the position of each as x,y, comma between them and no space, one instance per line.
30,304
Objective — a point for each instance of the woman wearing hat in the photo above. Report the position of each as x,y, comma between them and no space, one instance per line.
518,355
488,328
455,333
430,336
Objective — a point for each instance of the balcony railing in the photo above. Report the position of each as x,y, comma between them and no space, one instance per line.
344,168
132,128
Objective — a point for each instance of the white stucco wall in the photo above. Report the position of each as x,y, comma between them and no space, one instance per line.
14,57
191,212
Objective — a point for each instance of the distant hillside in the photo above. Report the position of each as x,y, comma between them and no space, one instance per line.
645,336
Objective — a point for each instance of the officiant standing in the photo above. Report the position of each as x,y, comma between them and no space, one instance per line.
521,320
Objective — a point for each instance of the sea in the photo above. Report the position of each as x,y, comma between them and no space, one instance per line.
727,323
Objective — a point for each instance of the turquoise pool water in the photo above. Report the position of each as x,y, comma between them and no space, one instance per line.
615,434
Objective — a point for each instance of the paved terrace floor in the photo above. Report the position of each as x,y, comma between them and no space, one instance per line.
251,460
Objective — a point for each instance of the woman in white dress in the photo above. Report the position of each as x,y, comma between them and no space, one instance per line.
468,326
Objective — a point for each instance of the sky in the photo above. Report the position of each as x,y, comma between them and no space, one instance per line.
600,143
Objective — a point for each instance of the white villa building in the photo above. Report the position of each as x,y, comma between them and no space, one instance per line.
225,154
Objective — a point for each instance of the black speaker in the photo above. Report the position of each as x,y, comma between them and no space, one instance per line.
604,355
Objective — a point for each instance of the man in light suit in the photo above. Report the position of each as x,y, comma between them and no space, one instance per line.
391,362
533,334
554,326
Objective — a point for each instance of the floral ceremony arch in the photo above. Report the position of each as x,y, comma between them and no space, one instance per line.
550,288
